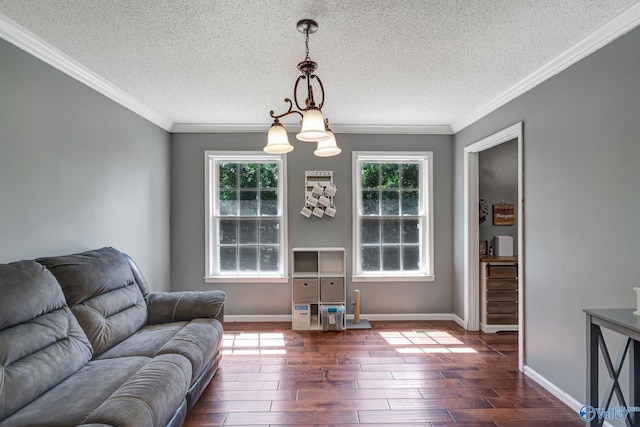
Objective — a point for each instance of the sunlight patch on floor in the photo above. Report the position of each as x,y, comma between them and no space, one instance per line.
412,342
253,344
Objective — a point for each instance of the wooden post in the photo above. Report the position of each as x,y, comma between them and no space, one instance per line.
356,308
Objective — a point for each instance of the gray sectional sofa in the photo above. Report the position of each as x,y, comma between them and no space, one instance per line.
84,342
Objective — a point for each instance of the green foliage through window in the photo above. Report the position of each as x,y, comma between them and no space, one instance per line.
248,217
390,188
248,189
391,220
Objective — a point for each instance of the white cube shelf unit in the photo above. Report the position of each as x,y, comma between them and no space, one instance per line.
318,280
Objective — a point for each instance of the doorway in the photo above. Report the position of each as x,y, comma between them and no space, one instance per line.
472,230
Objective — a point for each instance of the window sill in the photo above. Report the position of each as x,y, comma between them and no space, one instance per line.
246,279
403,278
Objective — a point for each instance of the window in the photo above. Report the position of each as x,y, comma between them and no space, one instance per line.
245,218
393,225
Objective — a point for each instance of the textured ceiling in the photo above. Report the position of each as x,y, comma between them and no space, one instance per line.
388,63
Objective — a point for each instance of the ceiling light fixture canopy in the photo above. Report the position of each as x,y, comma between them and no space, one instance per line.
314,127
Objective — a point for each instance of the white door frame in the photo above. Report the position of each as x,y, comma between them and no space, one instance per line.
472,232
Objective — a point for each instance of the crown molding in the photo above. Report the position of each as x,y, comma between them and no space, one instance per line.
393,129
32,44
337,128
600,37
219,127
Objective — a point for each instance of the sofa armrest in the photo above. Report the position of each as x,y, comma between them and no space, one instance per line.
179,306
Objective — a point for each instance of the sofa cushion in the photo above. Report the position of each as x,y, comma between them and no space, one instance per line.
150,397
103,294
130,391
145,342
197,340
41,343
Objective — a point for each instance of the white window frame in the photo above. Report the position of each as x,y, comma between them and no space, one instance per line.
426,272
212,275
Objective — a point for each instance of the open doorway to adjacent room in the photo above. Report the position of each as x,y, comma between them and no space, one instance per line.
472,237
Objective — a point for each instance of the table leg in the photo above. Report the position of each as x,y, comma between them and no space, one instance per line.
634,379
593,335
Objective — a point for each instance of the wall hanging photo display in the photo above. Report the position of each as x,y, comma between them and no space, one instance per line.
484,247
318,194
503,214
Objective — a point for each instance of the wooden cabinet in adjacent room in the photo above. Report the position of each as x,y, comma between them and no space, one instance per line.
498,293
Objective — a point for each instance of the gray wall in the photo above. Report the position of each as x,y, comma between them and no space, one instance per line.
498,179
582,203
78,171
187,221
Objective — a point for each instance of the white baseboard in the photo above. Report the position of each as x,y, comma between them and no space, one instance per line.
491,329
557,392
553,389
380,317
459,321
257,318
407,316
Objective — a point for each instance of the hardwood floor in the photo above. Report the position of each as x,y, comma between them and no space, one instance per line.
402,373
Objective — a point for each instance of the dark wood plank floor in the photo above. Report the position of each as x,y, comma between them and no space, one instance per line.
403,373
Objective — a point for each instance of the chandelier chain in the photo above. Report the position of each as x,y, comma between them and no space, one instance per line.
306,43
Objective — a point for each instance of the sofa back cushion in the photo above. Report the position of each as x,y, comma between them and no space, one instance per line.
103,294
41,343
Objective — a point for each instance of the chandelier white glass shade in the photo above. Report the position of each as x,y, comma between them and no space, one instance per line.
314,127
277,140
327,147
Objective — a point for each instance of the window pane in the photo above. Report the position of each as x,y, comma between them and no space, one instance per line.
410,258
248,203
248,175
410,203
248,258
390,203
410,175
228,259
370,175
268,203
370,203
269,231
246,225
371,258
391,231
248,233
371,231
392,213
390,175
228,231
390,258
228,203
227,175
269,258
410,231
269,175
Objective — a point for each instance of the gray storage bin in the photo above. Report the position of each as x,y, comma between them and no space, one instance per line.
332,289
332,317
305,290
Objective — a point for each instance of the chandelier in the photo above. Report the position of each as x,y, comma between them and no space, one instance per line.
314,127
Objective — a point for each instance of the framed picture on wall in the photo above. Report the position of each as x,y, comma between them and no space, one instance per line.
503,214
